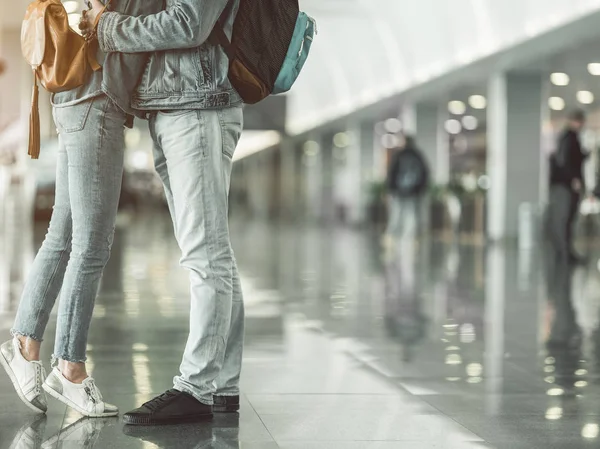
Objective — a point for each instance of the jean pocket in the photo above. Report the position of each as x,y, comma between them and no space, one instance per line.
231,121
71,119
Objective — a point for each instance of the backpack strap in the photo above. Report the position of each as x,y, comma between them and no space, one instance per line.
34,120
218,35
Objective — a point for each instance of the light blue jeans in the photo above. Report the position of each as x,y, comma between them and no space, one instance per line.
193,156
77,245
405,217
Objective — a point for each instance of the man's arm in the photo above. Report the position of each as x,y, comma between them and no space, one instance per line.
187,24
393,172
568,158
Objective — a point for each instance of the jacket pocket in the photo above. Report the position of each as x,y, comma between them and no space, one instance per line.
172,71
71,119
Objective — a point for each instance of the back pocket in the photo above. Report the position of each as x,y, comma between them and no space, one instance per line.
71,119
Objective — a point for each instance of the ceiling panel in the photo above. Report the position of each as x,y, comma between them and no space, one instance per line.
370,49
367,50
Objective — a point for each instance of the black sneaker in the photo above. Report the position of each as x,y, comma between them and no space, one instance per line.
226,404
171,407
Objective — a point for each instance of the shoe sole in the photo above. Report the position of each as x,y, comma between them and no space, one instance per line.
226,409
16,385
147,421
59,397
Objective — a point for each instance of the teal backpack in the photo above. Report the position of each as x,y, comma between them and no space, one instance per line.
270,43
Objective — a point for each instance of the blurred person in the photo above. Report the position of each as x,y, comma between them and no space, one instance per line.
565,338
567,185
404,318
195,119
90,120
407,182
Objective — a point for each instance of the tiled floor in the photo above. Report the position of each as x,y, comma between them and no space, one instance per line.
347,348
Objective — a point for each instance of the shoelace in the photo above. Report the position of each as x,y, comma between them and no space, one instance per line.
40,376
161,400
92,391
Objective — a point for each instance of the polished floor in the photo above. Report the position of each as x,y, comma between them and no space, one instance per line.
347,348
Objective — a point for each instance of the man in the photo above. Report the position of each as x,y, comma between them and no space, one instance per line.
195,119
566,186
407,181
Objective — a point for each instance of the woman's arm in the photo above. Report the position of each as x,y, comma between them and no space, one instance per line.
187,24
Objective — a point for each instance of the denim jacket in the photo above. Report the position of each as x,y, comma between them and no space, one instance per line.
185,71
121,73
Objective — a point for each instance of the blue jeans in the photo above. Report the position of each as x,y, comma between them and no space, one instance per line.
77,246
193,156
404,218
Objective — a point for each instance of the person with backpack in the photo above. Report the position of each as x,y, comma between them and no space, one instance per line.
90,119
407,182
208,57
567,185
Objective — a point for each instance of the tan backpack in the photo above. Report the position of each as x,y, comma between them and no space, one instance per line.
60,58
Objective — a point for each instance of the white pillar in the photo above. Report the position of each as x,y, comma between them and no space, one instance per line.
409,119
354,181
312,169
514,149
348,179
495,310
441,175
287,178
258,191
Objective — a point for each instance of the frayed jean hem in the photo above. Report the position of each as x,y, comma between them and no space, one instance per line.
17,333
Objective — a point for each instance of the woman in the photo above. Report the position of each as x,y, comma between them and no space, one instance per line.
90,121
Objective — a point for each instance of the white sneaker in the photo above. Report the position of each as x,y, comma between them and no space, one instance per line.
82,434
84,398
27,377
31,434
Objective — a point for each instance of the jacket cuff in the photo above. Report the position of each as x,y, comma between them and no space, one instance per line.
105,31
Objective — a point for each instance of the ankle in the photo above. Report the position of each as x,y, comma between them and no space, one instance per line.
30,349
73,372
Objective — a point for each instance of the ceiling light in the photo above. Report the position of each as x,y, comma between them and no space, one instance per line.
341,140
470,123
594,68
478,101
556,103
393,125
484,182
311,148
585,97
457,107
453,126
390,141
560,79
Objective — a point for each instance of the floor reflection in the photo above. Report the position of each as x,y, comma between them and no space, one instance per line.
486,343
221,433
